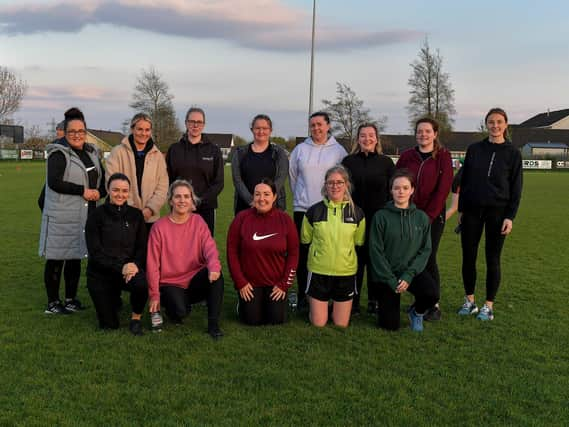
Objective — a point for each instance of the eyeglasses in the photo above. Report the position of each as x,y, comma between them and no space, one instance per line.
195,123
74,133
335,183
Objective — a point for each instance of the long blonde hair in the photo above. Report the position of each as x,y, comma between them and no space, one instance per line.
339,169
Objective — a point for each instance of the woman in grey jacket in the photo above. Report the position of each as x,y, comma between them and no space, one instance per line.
75,181
257,160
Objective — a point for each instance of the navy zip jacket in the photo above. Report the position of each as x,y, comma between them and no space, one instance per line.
491,178
201,164
115,235
370,174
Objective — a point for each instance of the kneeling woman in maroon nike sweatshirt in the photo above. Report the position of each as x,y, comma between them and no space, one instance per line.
262,253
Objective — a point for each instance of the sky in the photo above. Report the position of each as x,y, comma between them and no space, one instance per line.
238,58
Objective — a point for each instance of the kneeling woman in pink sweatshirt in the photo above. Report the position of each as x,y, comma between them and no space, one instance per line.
183,262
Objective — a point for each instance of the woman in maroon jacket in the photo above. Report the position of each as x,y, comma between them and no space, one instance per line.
432,165
262,253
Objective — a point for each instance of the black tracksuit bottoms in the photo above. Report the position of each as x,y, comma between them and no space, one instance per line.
426,293
489,219
71,269
177,301
105,291
208,215
262,310
302,270
364,265
437,229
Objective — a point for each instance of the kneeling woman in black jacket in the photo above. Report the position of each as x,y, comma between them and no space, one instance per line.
116,241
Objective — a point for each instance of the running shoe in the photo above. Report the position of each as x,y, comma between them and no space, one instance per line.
468,308
372,307
486,313
74,305
292,301
55,307
416,321
433,314
135,327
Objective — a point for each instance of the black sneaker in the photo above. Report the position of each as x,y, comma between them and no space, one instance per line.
215,332
56,307
356,311
135,327
372,307
74,305
433,314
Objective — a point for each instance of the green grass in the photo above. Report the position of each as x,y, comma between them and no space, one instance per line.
513,371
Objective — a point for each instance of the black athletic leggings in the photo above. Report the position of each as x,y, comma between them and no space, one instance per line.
489,219
262,310
302,270
176,301
208,216
363,265
437,229
105,291
426,293
52,277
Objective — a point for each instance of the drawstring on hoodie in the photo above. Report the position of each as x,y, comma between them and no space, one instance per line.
405,213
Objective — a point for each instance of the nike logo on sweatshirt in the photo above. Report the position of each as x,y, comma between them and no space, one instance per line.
266,236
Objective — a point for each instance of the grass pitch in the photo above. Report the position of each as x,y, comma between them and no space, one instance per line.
512,371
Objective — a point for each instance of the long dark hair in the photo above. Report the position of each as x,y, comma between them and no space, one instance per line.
437,146
501,112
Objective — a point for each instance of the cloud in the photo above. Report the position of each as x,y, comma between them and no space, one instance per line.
74,94
253,24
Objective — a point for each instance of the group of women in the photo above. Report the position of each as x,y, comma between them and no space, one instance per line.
351,213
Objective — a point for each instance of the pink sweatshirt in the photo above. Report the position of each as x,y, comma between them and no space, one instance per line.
177,252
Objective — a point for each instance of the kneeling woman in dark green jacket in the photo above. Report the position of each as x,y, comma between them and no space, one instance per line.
333,228
399,248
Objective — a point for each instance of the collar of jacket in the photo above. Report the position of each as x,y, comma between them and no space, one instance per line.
129,142
114,209
331,204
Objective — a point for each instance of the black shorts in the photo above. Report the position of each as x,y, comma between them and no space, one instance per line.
336,288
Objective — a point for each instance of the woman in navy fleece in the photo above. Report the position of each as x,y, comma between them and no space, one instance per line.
490,193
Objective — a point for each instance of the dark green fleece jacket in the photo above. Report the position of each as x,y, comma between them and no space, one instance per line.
399,244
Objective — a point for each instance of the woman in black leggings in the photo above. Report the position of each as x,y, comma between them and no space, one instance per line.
490,192
75,181
116,239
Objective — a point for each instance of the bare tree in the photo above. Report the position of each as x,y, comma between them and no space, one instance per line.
12,91
347,112
151,96
430,89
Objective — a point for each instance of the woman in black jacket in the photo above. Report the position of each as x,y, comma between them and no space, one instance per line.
116,240
370,172
490,192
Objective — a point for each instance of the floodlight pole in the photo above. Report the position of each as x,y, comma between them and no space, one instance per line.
311,95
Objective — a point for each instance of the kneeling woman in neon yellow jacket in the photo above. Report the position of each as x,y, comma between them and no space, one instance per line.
333,228
399,248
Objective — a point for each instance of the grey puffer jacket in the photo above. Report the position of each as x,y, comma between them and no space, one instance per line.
62,234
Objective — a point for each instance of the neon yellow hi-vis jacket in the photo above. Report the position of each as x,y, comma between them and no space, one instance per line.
333,230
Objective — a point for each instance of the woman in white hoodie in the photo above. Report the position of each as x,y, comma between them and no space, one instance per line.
308,164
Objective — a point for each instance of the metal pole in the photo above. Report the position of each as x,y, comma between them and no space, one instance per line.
312,60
